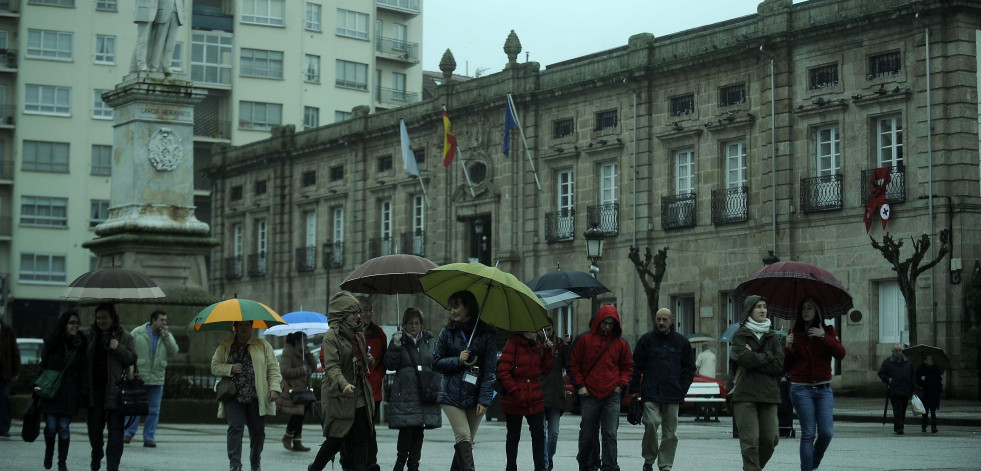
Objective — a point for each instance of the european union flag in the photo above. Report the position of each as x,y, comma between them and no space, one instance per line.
510,122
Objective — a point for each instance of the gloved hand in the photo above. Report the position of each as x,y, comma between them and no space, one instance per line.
397,338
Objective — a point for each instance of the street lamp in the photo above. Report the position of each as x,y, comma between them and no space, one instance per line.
594,246
328,257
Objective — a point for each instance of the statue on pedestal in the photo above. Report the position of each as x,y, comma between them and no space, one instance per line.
157,22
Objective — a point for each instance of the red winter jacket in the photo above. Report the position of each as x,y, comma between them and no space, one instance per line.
612,369
377,342
809,359
521,365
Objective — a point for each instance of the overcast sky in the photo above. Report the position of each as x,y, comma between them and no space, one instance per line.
551,30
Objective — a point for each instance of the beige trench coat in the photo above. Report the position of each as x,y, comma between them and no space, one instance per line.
265,366
339,371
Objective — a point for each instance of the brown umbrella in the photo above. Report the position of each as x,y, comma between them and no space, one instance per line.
113,283
388,274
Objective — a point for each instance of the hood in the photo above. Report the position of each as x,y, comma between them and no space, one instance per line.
748,306
607,311
339,305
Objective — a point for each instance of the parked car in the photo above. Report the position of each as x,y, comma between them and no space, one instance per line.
30,351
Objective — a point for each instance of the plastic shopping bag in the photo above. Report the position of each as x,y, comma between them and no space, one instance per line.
918,408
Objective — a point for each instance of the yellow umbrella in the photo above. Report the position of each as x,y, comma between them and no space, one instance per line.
219,316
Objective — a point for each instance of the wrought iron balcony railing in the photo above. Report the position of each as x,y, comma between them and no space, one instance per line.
895,190
334,259
606,216
821,193
730,205
306,258
678,211
233,267
414,243
560,225
379,247
257,264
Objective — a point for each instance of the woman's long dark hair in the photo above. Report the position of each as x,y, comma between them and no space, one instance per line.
465,299
800,325
58,334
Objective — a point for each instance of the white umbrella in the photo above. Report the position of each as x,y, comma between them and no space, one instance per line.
310,323
556,298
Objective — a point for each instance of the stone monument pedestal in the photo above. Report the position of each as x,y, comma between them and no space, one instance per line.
151,226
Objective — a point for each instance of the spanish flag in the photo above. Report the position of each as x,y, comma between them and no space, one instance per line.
449,141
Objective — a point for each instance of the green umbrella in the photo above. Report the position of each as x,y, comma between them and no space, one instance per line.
510,304
220,315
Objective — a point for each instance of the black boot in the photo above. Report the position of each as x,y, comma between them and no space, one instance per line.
49,449
464,455
63,453
455,464
399,463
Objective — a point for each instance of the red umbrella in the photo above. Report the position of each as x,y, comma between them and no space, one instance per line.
786,284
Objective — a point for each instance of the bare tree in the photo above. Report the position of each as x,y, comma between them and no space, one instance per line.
650,278
908,270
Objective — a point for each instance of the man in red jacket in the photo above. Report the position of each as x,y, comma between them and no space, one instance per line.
600,365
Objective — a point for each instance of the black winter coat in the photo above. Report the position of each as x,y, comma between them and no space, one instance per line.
932,386
667,364
901,373
73,392
454,391
406,409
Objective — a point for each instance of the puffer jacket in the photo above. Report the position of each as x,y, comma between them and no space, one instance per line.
901,372
521,365
454,391
664,367
612,369
406,409
152,366
119,361
293,369
74,389
809,359
762,367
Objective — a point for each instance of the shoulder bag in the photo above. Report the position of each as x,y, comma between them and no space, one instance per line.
48,383
32,423
302,397
426,379
225,387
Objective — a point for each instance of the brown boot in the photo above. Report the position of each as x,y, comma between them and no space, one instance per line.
297,446
288,441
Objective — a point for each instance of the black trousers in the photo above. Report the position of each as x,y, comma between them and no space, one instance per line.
898,412
295,425
355,443
536,425
99,419
410,444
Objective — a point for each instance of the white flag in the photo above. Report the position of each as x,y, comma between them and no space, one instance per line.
408,157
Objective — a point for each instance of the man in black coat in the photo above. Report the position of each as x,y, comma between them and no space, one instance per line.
897,372
664,367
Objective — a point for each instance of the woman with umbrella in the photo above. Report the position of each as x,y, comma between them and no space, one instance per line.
251,363
409,354
523,361
295,366
757,360
345,393
808,351
110,351
468,373
929,377
62,351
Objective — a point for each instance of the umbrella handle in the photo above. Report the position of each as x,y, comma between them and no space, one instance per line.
473,359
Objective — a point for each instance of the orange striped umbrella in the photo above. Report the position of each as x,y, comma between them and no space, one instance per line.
219,316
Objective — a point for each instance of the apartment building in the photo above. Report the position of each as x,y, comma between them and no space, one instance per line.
264,63
733,144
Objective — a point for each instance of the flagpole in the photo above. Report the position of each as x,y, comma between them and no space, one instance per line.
465,172
514,111
424,195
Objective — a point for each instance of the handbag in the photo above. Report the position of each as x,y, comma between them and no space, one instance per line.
225,389
48,383
302,396
133,398
426,380
636,412
918,408
32,422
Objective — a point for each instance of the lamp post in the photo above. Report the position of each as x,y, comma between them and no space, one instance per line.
594,246
328,256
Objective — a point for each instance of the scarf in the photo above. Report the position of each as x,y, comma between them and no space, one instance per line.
757,328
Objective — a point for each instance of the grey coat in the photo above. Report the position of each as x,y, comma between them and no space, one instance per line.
406,408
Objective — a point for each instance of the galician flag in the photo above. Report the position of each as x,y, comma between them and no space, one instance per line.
408,157
449,141
510,122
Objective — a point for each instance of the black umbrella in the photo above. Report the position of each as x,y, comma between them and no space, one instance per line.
917,353
578,282
113,283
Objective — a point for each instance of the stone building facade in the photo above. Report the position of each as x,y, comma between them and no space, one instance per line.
722,143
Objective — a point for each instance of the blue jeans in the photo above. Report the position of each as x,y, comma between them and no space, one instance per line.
155,394
552,416
814,407
596,416
57,424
